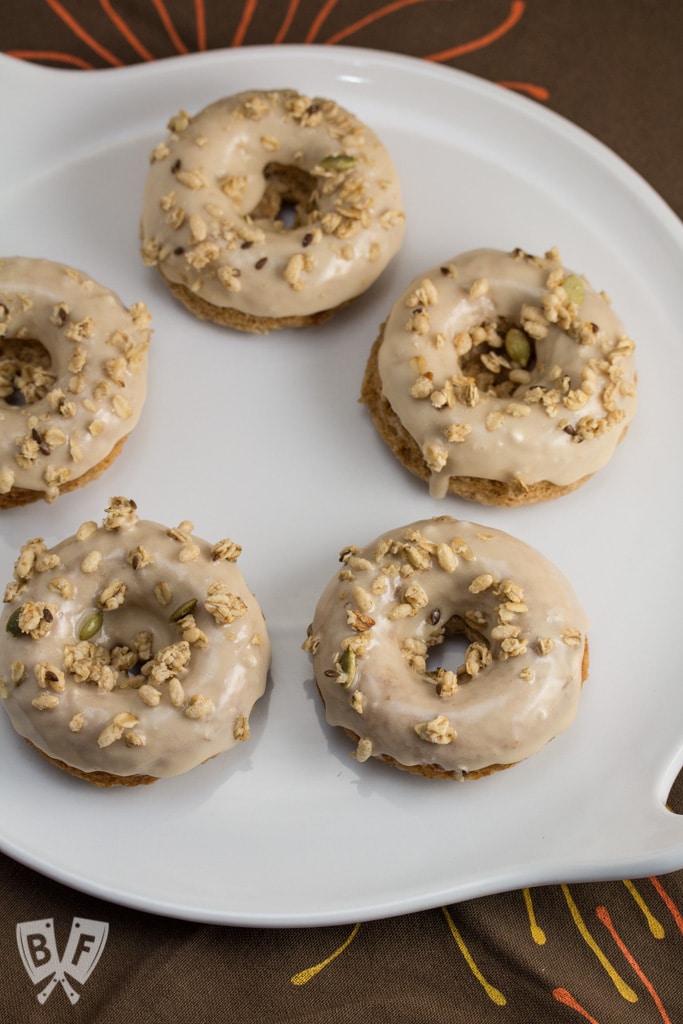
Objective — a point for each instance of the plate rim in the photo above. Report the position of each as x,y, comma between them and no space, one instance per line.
374,59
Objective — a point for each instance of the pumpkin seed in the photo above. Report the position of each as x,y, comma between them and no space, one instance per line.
91,624
338,162
348,663
12,626
574,288
518,346
183,609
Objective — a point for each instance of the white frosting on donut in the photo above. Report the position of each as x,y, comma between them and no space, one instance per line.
379,617
90,394
151,655
208,176
558,421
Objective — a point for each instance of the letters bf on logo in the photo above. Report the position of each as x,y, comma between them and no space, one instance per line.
38,949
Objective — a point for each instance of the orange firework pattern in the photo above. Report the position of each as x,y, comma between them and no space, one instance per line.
315,32
617,952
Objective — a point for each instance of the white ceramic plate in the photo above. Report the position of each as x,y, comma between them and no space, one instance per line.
263,439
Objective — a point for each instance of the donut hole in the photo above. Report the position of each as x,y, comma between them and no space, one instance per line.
128,638
289,198
122,654
25,371
500,357
460,655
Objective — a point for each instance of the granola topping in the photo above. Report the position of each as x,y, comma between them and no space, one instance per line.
380,647
212,218
69,349
88,686
510,368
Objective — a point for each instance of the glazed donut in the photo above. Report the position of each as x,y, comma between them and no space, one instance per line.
379,620
501,377
73,378
214,220
131,652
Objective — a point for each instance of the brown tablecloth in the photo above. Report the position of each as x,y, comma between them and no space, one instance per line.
600,952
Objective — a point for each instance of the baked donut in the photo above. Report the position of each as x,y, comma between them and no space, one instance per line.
269,209
73,378
378,625
131,652
502,378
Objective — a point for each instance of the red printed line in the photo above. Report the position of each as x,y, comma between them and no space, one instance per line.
288,19
125,31
603,915
245,21
169,26
63,58
670,905
538,92
567,999
381,12
319,20
516,12
200,21
84,36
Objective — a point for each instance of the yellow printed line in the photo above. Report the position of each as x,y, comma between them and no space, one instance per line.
537,933
493,993
653,924
310,972
622,988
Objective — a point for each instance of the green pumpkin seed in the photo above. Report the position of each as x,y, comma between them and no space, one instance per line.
183,609
92,624
348,664
338,162
518,346
574,288
12,626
